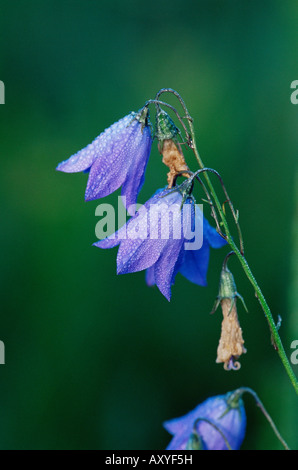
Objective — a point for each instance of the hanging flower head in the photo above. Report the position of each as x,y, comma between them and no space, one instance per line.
219,423
167,235
231,343
117,157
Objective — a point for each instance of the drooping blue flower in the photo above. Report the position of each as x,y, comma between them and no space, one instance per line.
193,264
219,423
167,235
117,157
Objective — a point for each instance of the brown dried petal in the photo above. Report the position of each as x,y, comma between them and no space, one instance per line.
231,342
174,159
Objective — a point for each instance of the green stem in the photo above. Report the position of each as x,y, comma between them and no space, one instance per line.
213,425
240,391
273,328
277,343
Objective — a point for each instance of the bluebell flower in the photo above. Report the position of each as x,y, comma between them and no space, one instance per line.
193,264
148,242
117,157
219,423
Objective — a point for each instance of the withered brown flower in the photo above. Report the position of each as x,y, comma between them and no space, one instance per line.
174,159
231,343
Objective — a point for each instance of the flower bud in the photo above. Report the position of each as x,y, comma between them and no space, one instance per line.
165,127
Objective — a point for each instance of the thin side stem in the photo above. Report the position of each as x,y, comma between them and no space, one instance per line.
276,340
215,427
235,215
240,391
162,103
273,328
192,145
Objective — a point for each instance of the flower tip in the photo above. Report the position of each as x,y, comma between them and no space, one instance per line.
167,295
120,270
89,196
64,166
59,167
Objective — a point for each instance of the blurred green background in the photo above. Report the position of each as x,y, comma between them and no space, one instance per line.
96,361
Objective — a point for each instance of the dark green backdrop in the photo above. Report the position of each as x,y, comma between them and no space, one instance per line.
96,361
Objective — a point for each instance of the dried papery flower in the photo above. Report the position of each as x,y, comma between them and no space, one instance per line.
231,342
173,158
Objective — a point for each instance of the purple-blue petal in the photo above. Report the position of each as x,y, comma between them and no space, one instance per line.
232,424
150,277
136,172
137,255
112,240
164,271
195,264
85,158
164,268
230,421
139,252
167,252
110,169
213,237
183,423
179,442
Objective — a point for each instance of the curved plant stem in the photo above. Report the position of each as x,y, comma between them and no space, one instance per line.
277,343
240,391
213,425
158,102
276,340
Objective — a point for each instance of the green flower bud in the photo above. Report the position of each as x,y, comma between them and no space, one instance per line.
165,127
